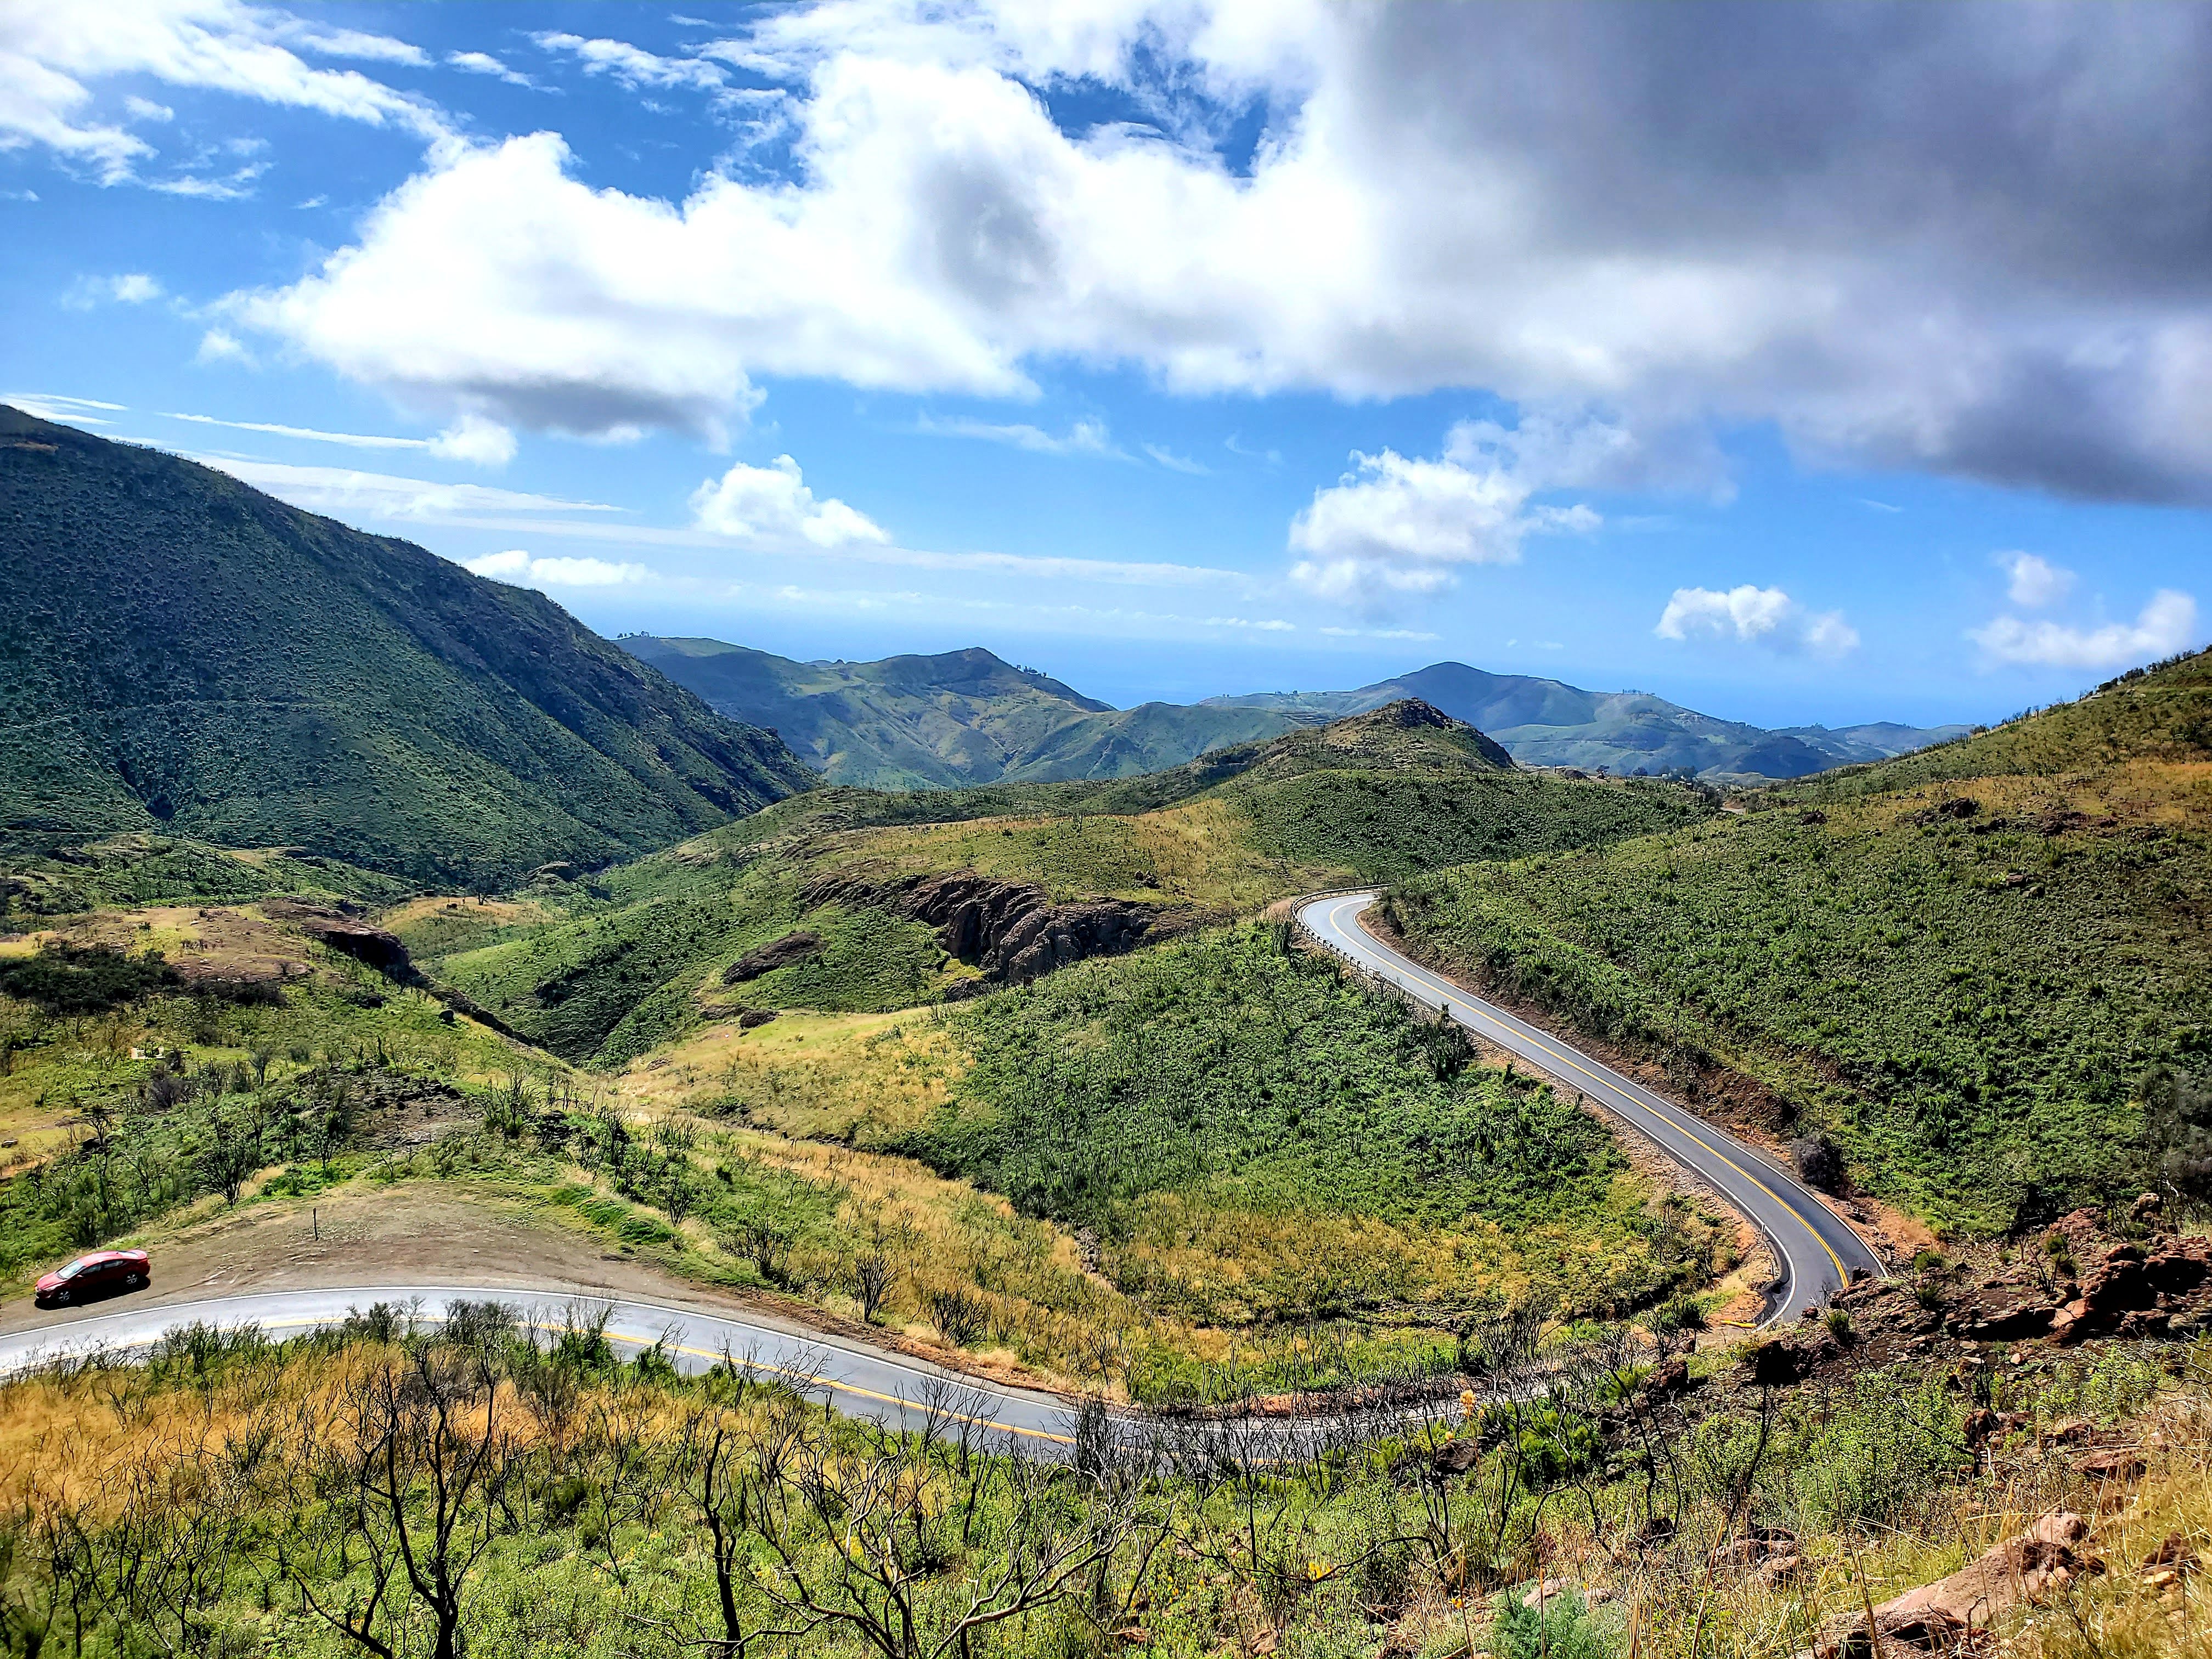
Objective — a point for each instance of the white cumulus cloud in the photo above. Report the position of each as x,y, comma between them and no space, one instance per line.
1958,254
2167,624
1766,617
482,62
220,345
1396,524
2033,581
475,440
132,288
525,570
771,505
51,55
634,66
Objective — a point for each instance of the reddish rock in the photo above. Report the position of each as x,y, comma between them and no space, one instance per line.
1945,1617
2174,1552
2121,1464
1777,1572
1011,930
341,932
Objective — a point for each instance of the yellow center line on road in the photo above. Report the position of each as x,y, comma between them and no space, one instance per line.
1444,989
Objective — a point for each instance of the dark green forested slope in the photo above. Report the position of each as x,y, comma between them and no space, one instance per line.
178,651
1984,970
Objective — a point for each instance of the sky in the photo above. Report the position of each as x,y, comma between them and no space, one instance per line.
1809,363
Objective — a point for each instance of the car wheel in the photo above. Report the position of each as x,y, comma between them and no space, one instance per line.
61,1296
130,1281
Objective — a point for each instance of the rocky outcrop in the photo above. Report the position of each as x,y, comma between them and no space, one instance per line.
2135,1292
328,924
777,953
1818,1164
1011,930
2075,1283
1954,1613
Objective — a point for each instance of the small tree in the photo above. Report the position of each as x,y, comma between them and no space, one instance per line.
882,1575
872,1273
232,1152
421,1465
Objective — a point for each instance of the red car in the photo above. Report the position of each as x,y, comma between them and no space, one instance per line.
103,1273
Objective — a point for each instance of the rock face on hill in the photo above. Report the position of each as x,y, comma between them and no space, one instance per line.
778,953
181,652
329,924
1013,930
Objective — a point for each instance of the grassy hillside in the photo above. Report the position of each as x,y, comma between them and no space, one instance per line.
607,968
186,655
1253,1135
1550,723
1984,969
138,868
964,717
156,1058
570,1498
1233,1140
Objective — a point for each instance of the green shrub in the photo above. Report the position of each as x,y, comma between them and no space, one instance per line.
1565,1628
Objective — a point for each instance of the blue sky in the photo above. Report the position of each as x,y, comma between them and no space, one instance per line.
1179,348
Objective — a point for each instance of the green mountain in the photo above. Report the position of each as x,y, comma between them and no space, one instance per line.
967,717
1549,723
941,722
607,969
1983,970
181,652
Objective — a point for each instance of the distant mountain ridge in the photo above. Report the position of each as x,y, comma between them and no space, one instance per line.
967,717
181,652
1543,722
943,722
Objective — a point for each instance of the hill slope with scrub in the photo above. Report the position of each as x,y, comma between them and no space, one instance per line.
185,654
898,910
1983,970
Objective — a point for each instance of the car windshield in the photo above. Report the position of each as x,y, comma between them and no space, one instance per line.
75,1268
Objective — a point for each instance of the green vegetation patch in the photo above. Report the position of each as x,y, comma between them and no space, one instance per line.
193,656
127,870
1967,1004
68,978
171,1098
1390,824
1241,1077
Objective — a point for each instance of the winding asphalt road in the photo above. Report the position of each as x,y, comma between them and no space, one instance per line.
1817,1252
858,1380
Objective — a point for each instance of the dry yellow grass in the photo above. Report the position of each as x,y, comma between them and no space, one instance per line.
503,913
839,1077
1199,852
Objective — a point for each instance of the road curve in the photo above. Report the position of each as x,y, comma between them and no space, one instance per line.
1817,1253
858,1380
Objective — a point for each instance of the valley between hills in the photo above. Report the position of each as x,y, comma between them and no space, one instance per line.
365,922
